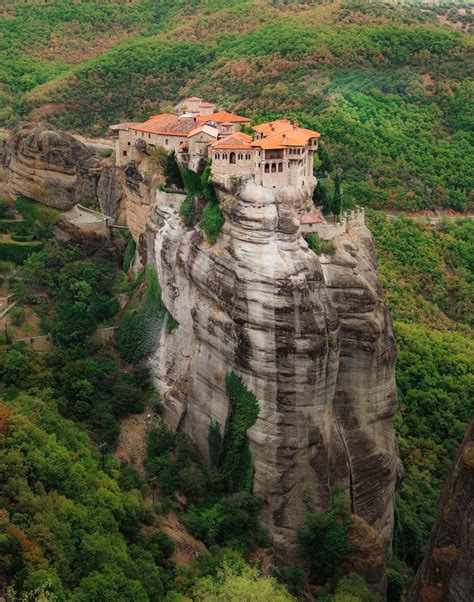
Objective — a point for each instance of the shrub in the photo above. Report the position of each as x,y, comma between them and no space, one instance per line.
10,251
318,245
139,332
353,585
171,324
172,172
17,315
129,254
212,221
21,237
186,211
8,225
323,540
237,467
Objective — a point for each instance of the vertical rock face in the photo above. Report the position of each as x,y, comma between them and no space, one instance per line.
447,572
310,336
49,166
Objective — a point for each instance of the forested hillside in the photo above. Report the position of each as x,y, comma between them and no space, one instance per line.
428,275
386,84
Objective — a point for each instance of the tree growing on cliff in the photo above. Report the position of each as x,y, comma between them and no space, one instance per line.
337,205
323,539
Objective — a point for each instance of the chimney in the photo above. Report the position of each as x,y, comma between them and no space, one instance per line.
272,127
295,124
284,137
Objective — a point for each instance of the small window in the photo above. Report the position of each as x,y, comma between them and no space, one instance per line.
267,168
232,158
129,143
274,167
166,141
124,153
149,136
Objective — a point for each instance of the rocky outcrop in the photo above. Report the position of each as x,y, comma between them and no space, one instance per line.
447,572
49,166
109,191
310,336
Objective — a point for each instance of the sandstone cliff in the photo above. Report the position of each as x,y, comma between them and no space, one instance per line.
447,572
310,336
50,166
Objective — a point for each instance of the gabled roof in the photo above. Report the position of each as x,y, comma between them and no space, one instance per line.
221,117
310,218
271,127
281,134
237,141
166,124
122,126
206,129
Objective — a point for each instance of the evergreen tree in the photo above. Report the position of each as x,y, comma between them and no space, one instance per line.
337,205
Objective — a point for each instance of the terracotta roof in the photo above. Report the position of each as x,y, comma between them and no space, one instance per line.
206,129
237,141
122,126
284,134
272,126
207,104
310,218
222,116
167,124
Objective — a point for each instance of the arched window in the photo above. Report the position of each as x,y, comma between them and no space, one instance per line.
274,167
232,157
240,156
267,167
280,167
224,155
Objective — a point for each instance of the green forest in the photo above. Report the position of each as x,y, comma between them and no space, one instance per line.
386,84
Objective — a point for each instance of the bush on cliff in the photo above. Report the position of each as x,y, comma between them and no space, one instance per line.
323,539
186,211
318,245
212,221
237,466
139,332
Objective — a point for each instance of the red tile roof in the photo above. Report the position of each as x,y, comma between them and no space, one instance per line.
222,116
310,218
122,126
167,124
237,141
280,134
